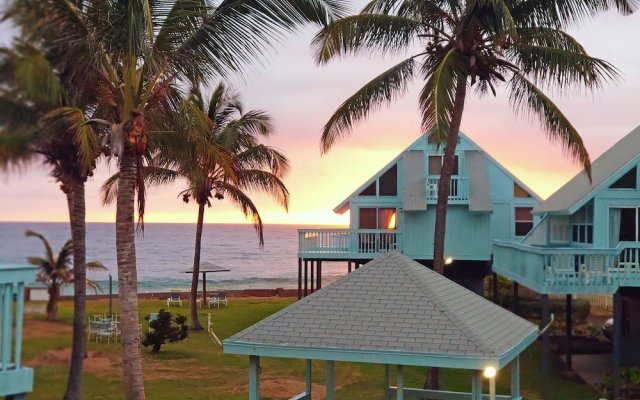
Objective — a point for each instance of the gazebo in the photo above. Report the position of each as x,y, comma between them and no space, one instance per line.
395,312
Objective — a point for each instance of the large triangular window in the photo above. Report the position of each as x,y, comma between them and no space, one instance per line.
626,181
369,190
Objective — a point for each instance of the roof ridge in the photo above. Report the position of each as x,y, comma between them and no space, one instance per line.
445,309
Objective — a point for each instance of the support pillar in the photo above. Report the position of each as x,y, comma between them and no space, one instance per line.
515,378
387,382
306,269
399,382
476,385
312,275
299,278
319,275
349,267
617,343
516,287
494,288
546,365
254,378
330,381
568,323
307,379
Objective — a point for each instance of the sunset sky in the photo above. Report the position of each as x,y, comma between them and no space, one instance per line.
302,96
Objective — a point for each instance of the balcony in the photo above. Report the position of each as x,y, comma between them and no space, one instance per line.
15,380
458,191
342,244
568,270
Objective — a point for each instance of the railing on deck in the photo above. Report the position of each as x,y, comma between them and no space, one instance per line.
566,268
335,242
14,378
458,191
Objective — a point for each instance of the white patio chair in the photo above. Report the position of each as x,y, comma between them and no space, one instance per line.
216,299
174,297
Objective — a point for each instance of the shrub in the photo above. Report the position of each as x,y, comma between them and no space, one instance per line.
165,329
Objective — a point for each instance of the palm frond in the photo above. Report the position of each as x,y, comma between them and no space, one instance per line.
96,266
438,95
380,33
264,182
526,98
382,90
47,246
247,207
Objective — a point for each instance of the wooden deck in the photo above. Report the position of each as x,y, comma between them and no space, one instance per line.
342,244
569,270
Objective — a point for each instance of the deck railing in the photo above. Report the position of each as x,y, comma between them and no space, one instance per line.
338,243
569,270
458,190
14,378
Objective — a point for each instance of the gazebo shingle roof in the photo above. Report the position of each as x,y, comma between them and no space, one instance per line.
393,305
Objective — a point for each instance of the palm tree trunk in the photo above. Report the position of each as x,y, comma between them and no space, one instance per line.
433,376
445,177
128,280
195,323
52,303
78,348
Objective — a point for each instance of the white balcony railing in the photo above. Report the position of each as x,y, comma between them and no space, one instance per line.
569,270
458,190
337,243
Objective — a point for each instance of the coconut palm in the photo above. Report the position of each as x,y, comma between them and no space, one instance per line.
245,165
57,270
460,45
41,118
145,50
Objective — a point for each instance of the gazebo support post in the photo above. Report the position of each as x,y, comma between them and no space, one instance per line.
617,345
307,378
330,380
254,378
204,287
568,310
546,392
515,378
476,385
399,383
387,382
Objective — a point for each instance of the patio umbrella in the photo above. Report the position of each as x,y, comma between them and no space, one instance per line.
206,267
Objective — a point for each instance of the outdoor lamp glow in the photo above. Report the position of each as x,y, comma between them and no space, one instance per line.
448,260
489,372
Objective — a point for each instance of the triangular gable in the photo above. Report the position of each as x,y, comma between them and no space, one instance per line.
605,170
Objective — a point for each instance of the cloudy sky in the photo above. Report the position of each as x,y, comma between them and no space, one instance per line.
302,96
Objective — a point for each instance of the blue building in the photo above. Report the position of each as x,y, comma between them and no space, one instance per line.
395,210
587,240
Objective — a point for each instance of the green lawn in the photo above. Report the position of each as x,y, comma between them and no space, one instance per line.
197,369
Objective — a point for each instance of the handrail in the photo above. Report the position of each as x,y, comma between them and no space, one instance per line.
554,250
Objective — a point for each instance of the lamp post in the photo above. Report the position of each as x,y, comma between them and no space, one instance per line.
490,372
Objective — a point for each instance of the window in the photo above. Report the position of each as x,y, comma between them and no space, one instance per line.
377,218
368,218
518,191
582,225
369,190
523,220
626,181
435,165
389,182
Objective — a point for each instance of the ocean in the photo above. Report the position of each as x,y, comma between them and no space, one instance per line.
165,252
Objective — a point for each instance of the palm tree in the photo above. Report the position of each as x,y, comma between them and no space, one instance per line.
478,44
145,50
42,117
55,271
245,165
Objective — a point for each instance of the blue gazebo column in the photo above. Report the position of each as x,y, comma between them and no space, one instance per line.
476,385
399,382
387,382
307,378
254,378
515,378
330,380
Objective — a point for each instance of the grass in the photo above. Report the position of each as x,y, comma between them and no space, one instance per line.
196,368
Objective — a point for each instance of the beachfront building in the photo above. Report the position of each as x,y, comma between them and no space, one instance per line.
15,379
396,313
395,210
588,241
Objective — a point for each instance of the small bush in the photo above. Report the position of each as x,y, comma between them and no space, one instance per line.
165,329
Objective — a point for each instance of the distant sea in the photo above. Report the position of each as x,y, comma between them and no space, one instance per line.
165,252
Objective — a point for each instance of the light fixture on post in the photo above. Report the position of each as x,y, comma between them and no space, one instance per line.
490,372
448,261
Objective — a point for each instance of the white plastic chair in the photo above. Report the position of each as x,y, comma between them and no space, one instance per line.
174,297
